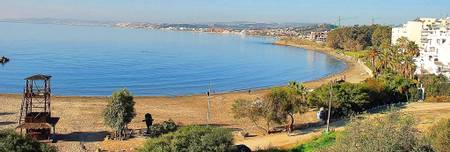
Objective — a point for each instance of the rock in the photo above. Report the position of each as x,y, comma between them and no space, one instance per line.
3,59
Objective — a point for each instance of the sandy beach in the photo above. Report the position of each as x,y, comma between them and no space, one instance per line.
81,123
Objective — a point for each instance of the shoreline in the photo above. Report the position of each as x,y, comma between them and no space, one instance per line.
83,114
351,67
355,71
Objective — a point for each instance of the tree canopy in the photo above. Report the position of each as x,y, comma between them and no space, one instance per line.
357,37
347,98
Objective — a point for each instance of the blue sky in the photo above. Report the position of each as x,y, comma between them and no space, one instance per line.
190,11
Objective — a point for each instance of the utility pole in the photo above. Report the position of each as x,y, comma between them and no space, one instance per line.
339,21
208,114
329,107
373,19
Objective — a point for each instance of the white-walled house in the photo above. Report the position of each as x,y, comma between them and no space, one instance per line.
418,30
411,30
432,36
435,56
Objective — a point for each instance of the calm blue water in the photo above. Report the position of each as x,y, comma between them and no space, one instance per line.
95,61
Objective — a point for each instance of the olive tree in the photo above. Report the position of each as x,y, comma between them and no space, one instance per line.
277,107
119,112
285,102
254,110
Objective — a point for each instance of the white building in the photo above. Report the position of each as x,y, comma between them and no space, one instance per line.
418,30
411,30
433,38
435,56
318,36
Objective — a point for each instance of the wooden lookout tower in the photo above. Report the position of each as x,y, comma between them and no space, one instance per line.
35,111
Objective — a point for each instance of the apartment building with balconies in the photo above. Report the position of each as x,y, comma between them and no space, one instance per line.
435,56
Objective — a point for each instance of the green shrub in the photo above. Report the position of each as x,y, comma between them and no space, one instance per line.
192,139
323,141
347,98
380,93
163,128
435,85
393,132
13,142
439,136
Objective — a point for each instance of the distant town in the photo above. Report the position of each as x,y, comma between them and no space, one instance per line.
312,31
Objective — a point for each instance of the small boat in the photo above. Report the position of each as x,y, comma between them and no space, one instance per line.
3,60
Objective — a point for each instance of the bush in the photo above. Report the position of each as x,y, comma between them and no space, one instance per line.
393,132
192,139
439,136
11,142
435,85
163,128
323,141
379,93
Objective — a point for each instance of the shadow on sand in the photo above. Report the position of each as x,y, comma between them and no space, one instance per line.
6,113
7,123
222,125
82,136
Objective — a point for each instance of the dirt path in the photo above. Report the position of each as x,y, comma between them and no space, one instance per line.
425,113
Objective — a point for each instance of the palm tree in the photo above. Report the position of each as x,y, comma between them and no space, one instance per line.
392,58
412,49
384,60
402,42
407,50
373,54
401,85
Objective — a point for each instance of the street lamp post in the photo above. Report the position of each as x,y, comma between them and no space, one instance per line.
329,107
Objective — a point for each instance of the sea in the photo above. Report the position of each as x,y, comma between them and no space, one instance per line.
96,61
